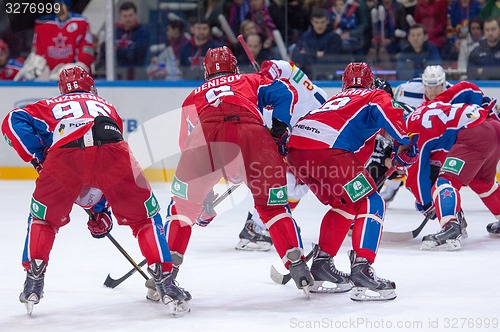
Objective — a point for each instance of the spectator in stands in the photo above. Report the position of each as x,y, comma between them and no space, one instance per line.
267,19
491,10
193,52
409,6
212,10
484,60
388,33
297,20
60,41
345,21
432,14
470,42
247,28
420,53
260,54
132,38
460,14
8,67
176,37
236,12
165,66
319,44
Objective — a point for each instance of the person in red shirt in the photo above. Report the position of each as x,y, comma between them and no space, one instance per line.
60,41
462,139
328,150
8,67
86,133
229,140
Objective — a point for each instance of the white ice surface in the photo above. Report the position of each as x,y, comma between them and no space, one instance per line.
232,290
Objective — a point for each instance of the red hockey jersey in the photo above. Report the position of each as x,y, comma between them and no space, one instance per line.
54,122
63,42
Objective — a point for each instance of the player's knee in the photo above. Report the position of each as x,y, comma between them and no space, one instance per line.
272,214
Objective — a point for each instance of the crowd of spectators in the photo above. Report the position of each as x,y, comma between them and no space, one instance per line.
397,37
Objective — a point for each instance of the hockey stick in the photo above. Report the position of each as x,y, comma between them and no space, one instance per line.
405,236
254,63
112,283
282,279
226,193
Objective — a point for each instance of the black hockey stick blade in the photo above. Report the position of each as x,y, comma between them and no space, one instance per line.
279,278
404,236
283,279
127,256
112,283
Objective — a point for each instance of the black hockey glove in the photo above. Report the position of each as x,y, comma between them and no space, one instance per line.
207,213
280,134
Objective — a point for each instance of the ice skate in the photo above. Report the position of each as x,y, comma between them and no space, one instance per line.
254,238
152,294
33,286
327,279
367,286
173,296
448,238
494,228
299,271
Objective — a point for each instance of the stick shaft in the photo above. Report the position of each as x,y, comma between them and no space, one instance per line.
120,248
249,54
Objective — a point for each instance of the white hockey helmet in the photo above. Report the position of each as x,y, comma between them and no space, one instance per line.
433,76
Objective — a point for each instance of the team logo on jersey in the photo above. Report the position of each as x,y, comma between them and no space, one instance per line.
61,129
357,187
179,188
72,27
395,104
453,165
59,50
152,205
277,196
37,209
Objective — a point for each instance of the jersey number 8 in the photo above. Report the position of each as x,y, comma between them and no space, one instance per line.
69,87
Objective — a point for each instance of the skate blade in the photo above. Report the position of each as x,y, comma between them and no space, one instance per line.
363,294
307,291
328,287
176,307
152,296
247,245
29,307
449,245
29,302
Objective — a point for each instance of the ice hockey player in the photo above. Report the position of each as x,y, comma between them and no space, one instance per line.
414,93
380,160
86,135
254,236
328,149
229,140
60,41
462,138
